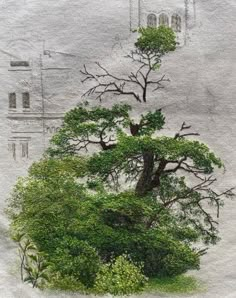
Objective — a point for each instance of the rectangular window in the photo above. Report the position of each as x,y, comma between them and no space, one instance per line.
12,100
19,63
25,150
12,149
26,100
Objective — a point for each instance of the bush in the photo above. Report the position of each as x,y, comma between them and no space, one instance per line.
65,283
78,260
75,228
181,284
120,277
118,223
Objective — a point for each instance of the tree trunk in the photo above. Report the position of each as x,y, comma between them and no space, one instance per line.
145,180
156,179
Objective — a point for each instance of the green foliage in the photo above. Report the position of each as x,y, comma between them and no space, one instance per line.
151,123
84,219
34,268
76,259
65,283
51,225
81,125
181,284
129,148
37,270
85,127
134,193
120,277
159,40
75,166
68,223
116,224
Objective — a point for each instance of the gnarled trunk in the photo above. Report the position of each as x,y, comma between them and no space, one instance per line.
145,180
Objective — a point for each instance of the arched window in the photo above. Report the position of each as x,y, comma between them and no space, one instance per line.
163,20
176,23
152,20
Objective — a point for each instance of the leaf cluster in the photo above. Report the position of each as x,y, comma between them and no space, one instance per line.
159,41
120,277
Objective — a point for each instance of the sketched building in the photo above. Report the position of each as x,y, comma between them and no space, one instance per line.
180,15
31,120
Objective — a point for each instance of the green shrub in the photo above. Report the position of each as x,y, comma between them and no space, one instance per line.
117,224
181,284
78,260
120,277
65,283
74,228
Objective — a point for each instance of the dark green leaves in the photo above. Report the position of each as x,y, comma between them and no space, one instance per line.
126,157
99,127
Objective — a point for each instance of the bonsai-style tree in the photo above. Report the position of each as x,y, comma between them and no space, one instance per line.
176,171
111,185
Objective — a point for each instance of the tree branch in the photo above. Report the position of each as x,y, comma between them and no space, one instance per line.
108,83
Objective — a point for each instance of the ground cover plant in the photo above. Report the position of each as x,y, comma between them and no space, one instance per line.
181,284
114,202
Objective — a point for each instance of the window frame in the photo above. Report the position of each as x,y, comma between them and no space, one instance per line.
152,20
12,104
26,100
177,25
164,15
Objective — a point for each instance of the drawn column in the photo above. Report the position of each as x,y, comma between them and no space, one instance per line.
135,14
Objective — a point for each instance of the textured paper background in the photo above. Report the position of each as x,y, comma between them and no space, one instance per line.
59,36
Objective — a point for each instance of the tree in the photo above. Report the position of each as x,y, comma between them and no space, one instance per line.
111,185
156,165
151,46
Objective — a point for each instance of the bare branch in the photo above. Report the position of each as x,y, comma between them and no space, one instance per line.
108,83
185,127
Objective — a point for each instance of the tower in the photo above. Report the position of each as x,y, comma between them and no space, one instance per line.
180,15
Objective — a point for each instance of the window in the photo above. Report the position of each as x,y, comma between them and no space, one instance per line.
12,100
19,63
24,150
163,20
176,23
152,20
26,100
12,149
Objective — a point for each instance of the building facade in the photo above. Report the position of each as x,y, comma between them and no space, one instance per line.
180,15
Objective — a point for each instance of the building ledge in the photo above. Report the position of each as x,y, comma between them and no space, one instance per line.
36,115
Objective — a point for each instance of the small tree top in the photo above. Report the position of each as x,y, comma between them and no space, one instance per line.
159,41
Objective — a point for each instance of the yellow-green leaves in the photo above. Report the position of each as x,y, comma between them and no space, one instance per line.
120,277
